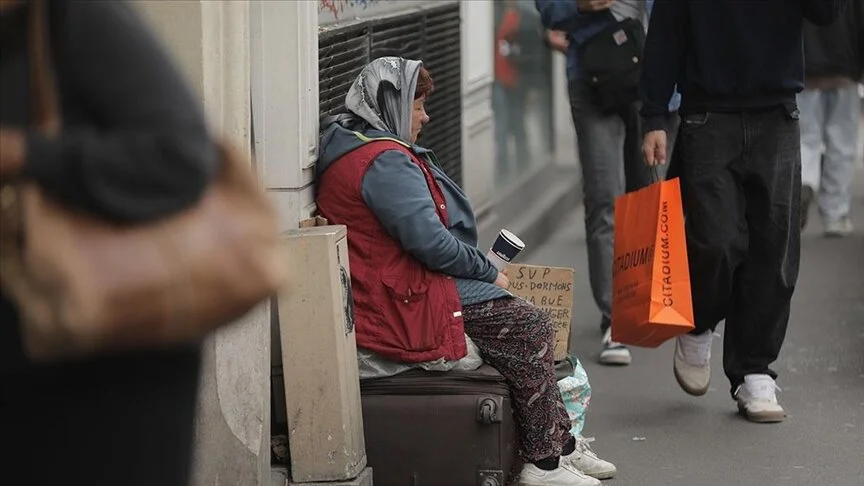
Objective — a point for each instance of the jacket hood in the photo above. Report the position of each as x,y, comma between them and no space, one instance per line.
337,139
344,133
379,104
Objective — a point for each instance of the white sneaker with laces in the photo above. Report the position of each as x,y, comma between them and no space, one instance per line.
692,363
586,460
564,475
614,353
757,399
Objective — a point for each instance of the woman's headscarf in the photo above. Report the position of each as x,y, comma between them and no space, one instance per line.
383,94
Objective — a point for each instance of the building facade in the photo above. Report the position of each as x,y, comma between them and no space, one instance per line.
267,70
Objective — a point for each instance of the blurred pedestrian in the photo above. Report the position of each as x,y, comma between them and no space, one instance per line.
830,117
134,147
510,89
738,66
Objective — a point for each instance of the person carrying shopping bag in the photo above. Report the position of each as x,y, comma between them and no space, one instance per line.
739,67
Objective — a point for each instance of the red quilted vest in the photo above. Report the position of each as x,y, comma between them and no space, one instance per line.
403,311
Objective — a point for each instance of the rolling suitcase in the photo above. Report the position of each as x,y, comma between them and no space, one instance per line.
440,429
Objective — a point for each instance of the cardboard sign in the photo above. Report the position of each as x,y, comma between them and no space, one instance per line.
551,289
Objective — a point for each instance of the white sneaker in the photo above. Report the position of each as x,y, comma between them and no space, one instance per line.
564,475
692,363
757,399
614,353
839,228
586,460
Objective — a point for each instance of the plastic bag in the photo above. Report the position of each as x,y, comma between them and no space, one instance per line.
370,365
576,393
472,360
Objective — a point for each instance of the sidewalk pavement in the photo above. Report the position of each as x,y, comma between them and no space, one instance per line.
657,435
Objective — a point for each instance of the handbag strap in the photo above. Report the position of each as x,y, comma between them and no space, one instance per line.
44,116
44,104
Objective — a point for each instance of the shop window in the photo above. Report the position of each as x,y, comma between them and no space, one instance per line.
522,94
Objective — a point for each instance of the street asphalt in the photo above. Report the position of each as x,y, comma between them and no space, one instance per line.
657,435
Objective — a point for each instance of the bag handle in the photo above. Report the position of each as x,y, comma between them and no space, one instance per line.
44,116
44,104
655,174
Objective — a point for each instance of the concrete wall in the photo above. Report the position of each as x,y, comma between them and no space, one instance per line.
285,102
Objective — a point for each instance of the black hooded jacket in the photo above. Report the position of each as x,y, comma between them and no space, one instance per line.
836,49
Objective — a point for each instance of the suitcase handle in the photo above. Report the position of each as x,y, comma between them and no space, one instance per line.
489,410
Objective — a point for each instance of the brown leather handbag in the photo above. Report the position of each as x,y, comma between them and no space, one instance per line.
84,286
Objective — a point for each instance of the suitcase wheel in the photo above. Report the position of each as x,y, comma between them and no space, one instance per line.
490,478
489,410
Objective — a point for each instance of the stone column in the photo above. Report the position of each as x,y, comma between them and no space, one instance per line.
210,41
478,121
285,99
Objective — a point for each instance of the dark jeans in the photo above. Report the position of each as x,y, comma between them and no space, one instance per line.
636,173
741,184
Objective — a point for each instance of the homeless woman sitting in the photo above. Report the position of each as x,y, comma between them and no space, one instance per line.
419,281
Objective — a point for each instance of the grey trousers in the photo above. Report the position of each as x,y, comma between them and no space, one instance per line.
829,142
610,154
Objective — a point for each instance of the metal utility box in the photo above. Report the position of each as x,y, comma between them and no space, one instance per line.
319,358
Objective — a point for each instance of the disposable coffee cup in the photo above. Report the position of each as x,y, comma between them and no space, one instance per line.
505,249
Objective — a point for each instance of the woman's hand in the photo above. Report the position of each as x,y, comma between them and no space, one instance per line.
12,150
502,280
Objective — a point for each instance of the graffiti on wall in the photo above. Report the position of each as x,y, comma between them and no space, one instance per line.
336,8
336,11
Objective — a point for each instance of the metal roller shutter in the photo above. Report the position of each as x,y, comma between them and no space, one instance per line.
342,54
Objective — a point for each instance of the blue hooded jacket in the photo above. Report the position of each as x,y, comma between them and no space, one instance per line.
396,191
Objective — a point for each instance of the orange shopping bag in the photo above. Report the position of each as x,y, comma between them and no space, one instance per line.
651,301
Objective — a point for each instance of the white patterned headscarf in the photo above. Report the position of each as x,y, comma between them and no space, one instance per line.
383,94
